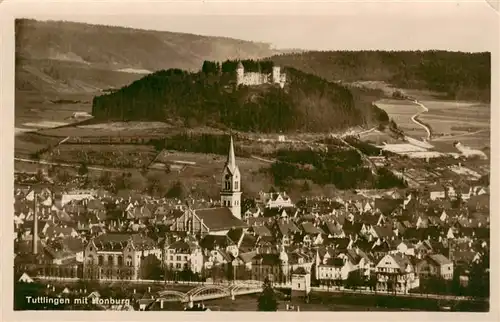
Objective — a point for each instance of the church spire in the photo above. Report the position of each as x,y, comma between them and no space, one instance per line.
231,159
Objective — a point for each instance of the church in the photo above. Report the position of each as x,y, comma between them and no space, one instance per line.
219,220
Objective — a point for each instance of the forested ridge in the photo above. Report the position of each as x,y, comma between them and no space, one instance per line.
210,97
457,74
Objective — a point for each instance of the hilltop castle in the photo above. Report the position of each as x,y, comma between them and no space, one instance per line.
257,78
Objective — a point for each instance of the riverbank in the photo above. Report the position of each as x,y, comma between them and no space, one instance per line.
323,301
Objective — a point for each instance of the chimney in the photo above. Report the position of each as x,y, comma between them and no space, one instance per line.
35,224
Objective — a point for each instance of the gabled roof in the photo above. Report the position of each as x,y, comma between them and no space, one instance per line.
261,231
309,228
217,219
235,234
287,227
182,246
267,259
247,257
210,242
118,241
440,259
402,261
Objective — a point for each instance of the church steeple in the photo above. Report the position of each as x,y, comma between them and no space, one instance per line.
231,183
231,159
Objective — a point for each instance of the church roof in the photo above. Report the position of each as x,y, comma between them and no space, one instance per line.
219,219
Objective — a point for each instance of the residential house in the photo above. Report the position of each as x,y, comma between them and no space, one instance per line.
182,255
311,235
396,273
275,200
435,265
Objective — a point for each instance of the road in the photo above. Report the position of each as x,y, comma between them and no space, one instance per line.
418,122
43,162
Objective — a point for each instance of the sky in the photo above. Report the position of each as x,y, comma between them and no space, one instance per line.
384,25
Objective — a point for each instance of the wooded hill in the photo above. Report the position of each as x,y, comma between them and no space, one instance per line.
210,97
457,74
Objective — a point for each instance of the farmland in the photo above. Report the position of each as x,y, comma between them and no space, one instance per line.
26,144
117,156
451,121
205,168
401,112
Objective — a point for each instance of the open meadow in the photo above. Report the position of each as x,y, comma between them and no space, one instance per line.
452,121
401,112
116,156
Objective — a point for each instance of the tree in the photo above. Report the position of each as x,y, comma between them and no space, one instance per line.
247,203
40,175
154,185
83,170
267,299
63,176
176,191
354,280
306,187
105,178
151,268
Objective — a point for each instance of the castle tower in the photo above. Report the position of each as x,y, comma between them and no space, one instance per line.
276,74
240,73
230,194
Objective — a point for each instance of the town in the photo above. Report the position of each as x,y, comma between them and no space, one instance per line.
431,242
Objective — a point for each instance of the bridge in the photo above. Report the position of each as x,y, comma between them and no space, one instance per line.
207,292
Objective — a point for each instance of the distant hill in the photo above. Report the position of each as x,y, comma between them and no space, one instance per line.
460,75
307,103
69,57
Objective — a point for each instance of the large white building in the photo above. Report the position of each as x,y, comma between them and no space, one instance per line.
117,256
256,78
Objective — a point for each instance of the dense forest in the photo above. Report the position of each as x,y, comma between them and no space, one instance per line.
342,167
308,103
459,75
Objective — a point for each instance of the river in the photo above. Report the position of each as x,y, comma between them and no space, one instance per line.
249,303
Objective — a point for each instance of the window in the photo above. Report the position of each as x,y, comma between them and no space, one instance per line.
236,185
101,260
111,260
120,260
178,265
298,285
179,257
129,260
171,257
91,260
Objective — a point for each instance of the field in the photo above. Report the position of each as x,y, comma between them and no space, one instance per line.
207,169
31,107
25,144
401,112
452,121
116,156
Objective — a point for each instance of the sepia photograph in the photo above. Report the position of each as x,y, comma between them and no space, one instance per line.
253,162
